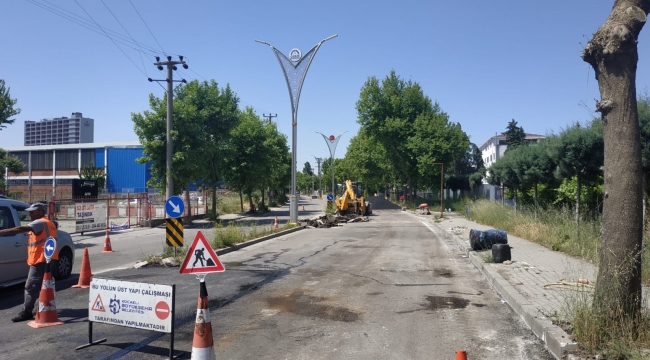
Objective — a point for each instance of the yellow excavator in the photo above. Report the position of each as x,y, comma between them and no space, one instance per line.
349,199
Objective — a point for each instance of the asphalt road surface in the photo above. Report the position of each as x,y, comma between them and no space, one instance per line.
385,289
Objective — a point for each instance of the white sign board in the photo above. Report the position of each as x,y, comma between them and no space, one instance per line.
90,216
125,303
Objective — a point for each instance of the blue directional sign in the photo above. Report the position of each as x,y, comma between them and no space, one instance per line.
330,197
174,207
50,247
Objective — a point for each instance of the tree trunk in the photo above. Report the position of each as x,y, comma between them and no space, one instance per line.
503,194
515,198
612,52
214,200
241,200
645,201
187,201
577,212
535,201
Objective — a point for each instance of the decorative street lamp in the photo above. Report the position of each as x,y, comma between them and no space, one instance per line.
295,69
331,144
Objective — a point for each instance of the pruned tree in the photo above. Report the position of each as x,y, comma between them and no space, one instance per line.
613,54
90,172
7,109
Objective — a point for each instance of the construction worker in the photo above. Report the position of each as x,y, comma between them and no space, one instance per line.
39,230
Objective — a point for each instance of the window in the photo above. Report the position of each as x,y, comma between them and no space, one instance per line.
6,218
67,159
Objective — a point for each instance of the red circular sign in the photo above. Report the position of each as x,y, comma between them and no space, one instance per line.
332,138
162,310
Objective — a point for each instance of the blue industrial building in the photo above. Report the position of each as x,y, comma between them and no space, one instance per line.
54,166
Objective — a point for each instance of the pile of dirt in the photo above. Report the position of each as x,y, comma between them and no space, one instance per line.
329,220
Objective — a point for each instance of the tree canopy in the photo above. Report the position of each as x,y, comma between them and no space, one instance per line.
7,106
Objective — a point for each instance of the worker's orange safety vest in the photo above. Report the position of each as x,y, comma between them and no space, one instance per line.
35,244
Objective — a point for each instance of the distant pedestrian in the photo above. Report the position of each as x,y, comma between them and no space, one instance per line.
39,230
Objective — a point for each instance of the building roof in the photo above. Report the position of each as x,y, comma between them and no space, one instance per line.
119,144
502,136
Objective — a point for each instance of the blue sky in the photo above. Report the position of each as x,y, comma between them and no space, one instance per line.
485,62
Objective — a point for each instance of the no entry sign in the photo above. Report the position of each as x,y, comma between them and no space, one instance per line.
162,310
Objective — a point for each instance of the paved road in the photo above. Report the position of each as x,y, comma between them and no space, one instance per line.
386,289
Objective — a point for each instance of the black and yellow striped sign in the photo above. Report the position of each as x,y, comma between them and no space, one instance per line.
174,232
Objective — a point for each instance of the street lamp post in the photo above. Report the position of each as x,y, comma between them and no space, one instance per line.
442,174
331,144
295,69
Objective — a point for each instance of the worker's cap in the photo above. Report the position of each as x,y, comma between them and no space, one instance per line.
37,206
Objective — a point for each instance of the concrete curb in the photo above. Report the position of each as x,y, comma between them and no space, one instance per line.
557,340
258,240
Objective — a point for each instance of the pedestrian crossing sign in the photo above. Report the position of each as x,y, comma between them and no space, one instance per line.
201,258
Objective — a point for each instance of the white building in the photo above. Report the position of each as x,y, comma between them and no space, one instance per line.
495,147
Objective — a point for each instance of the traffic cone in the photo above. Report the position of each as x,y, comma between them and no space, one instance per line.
303,208
84,276
461,355
46,313
107,244
202,344
275,225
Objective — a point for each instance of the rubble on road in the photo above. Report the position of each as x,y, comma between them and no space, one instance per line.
329,220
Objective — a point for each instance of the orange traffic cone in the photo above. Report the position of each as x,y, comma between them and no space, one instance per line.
202,344
107,244
461,355
46,313
84,276
275,225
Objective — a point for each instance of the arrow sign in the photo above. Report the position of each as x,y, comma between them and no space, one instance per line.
174,207
50,247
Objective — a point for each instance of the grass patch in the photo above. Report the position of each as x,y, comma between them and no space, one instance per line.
226,236
486,256
598,331
168,251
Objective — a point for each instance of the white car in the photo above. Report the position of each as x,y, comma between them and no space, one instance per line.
13,249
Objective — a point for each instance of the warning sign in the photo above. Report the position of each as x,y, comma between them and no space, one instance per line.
162,310
98,305
201,258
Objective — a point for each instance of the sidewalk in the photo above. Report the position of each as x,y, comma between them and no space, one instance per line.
521,284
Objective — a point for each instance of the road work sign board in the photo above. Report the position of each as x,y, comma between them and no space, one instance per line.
201,258
132,304
174,235
174,207
90,216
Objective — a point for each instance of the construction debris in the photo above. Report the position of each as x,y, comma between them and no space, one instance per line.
329,220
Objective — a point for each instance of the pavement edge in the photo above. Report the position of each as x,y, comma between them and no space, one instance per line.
552,335
258,240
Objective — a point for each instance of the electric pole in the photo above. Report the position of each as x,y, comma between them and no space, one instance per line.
269,116
171,65
320,185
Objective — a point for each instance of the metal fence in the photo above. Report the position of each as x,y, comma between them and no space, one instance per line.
114,211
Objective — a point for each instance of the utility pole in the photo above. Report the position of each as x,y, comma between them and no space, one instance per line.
320,184
269,116
171,65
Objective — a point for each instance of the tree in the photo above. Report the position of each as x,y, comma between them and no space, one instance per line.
307,169
7,109
533,167
10,162
612,52
247,156
578,152
215,112
515,135
90,172
366,161
151,129
388,112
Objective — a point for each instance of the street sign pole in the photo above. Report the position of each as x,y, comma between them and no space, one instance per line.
295,69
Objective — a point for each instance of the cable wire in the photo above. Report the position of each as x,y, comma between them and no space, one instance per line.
128,33
150,32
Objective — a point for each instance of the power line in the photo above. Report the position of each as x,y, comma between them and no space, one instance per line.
127,56
75,18
145,24
128,33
